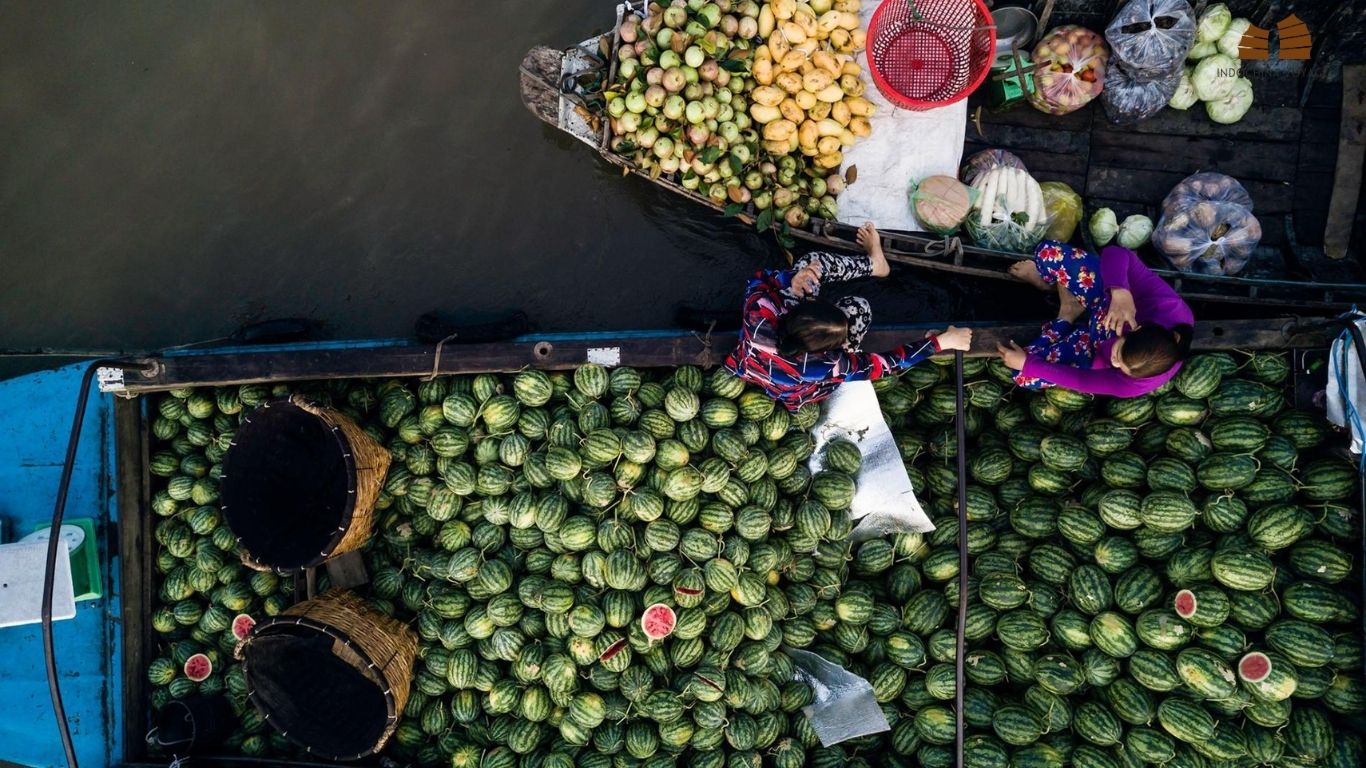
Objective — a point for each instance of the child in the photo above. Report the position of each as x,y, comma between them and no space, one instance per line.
1136,332
799,348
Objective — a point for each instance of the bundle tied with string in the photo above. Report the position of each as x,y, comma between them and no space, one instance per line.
300,483
930,53
331,674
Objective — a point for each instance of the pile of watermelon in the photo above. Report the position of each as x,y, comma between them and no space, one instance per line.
604,568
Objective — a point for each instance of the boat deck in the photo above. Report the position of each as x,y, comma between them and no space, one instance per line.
1282,153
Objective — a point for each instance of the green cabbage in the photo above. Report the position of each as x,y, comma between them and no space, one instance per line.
1214,77
1201,50
1134,231
1231,108
1213,23
1104,225
1185,96
1233,36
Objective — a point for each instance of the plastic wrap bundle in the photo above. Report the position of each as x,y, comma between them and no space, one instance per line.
986,160
1207,225
1129,98
1152,37
941,203
1071,69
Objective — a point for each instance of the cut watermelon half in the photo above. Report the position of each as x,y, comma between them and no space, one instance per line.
1185,604
242,625
658,621
198,667
687,591
1254,667
612,650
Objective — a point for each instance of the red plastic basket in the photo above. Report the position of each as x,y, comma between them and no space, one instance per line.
928,53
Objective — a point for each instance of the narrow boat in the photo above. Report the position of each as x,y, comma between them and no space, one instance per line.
1279,147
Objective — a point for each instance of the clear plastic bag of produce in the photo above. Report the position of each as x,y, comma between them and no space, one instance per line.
1152,37
1130,99
884,501
1206,185
1064,208
1209,237
845,707
941,203
1070,69
986,160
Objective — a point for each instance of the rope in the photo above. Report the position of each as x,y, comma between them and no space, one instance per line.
436,359
950,246
962,429
706,340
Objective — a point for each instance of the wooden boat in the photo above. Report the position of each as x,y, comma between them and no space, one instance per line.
1130,168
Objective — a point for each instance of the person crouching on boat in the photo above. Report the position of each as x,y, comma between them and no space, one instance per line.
799,348
1136,332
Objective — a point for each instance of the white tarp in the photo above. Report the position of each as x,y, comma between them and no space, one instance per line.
905,146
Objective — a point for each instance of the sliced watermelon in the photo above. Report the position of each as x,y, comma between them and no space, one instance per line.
242,625
198,667
1185,604
612,650
687,591
1254,667
658,621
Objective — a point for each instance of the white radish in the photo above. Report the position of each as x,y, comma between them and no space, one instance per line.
988,183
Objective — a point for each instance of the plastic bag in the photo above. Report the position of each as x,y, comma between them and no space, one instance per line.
1070,69
1205,185
1210,237
1064,208
941,203
987,159
1130,99
1152,37
844,707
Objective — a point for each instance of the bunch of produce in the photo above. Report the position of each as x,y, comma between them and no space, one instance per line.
749,103
1008,214
1149,40
1207,225
942,203
1132,233
208,599
1213,75
1070,69
603,569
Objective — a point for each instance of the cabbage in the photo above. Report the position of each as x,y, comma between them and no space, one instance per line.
1213,23
1134,231
1185,96
1233,36
1104,225
1232,107
1201,50
1214,77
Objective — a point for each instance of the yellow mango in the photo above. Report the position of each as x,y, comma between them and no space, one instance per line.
853,6
779,130
806,99
860,106
824,60
793,61
851,85
840,111
766,21
820,111
768,95
828,127
830,93
792,32
778,47
790,82
808,134
783,9
830,160
791,111
817,81
763,70
765,115
851,67
828,144
860,127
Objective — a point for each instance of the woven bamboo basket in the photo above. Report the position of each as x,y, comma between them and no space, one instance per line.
330,674
299,485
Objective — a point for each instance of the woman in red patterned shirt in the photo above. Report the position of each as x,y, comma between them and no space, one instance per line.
799,348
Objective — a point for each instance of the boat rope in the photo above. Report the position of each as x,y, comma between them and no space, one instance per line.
706,340
436,358
958,660
950,247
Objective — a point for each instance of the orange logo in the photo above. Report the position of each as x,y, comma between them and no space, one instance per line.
1296,44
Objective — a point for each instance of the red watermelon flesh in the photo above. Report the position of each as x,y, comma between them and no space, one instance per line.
198,667
658,621
687,591
242,625
1185,604
612,650
1254,667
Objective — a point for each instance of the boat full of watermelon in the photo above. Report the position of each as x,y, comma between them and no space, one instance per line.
607,548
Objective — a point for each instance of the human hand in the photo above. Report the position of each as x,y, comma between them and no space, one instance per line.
807,281
1013,356
1122,311
955,339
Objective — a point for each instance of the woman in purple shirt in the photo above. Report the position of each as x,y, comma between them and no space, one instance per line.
1137,329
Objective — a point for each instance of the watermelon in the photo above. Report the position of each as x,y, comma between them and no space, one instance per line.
242,625
198,667
1185,719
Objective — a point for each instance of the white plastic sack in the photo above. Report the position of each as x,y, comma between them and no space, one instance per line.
1346,386
845,707
884,501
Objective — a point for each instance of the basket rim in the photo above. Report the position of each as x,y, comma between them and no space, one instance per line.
899,99
348,458
336,633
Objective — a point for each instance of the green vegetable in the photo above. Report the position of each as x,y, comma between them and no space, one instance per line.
1233,37
1201,50
1213,23
1234,105
1185,96
1134,231
1214,77
1104,226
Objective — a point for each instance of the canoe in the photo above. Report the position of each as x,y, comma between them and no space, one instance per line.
563,88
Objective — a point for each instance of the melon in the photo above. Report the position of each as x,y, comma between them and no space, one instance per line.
941,204
658,621
1185,604
612,650
242,625
198,667
1254,667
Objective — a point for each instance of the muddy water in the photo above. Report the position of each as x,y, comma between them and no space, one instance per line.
170,171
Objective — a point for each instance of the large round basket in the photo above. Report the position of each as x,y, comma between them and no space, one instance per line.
930,53
330,674
299,485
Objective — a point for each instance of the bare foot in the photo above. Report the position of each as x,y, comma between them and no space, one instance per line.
1069,307
1026,272
872,245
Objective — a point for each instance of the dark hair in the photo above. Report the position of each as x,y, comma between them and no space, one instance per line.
811,327
1152,350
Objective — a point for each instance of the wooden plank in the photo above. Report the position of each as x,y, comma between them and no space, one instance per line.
1026,116
347,571
135,569
1271,161
1351,152
1013,136
1151,186
1261,123
658,351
